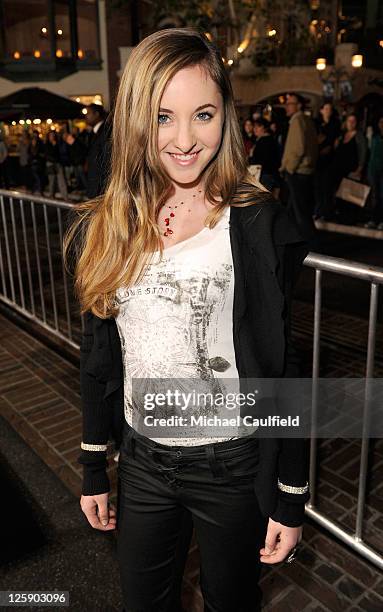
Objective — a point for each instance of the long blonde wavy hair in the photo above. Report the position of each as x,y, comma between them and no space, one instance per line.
112,237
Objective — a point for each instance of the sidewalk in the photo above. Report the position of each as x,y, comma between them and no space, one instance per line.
39,398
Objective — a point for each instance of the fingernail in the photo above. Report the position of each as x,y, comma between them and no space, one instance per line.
104,522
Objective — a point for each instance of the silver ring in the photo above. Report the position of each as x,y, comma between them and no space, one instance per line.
292,555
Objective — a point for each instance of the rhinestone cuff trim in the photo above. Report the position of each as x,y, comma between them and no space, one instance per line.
93,447
290,489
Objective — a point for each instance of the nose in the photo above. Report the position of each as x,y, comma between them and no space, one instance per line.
184,138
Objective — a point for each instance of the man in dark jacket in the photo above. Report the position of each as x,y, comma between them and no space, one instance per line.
98,160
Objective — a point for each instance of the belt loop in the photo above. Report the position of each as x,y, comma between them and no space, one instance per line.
214,465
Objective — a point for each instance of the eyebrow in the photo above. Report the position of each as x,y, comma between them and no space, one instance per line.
199,108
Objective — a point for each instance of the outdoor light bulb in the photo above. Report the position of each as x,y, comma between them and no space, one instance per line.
272,32
321,63
80,53
17,55
37,53
49,121
230,62
357,61
59,32
84,111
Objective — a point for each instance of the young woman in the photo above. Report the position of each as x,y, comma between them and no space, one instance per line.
184,271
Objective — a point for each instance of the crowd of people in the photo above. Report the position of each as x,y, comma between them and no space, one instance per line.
61,162
304,160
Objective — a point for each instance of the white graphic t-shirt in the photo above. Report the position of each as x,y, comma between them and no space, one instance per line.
176,322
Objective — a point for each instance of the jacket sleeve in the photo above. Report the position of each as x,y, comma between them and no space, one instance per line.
96,421
293,460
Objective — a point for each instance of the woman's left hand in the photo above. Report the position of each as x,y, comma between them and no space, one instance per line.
279,542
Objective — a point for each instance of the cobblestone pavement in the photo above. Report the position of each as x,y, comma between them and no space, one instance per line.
39,397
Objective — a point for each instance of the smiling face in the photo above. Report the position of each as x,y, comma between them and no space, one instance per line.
190,123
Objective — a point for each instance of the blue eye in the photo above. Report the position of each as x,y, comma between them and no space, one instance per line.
206,115
161,117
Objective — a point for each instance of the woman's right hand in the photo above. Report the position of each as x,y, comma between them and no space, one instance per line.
99,513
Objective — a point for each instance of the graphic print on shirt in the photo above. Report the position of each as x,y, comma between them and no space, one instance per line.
171,324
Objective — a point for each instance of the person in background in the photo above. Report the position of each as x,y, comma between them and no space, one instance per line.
375,177
4,180
298,165
328,128
36,163
55,168
349,159
98,160
248,136
77,155
265,152
23,151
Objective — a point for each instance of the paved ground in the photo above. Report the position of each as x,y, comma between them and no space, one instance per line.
39,399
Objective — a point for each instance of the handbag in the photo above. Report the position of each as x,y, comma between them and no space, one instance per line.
353,192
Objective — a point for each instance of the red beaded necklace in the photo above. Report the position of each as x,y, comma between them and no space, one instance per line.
168,230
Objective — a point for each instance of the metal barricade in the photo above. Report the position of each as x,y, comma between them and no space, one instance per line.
34,281
373,275
33,275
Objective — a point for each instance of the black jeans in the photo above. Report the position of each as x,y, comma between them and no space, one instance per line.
158,486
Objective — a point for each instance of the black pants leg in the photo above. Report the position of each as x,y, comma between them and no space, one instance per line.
215,483
301,205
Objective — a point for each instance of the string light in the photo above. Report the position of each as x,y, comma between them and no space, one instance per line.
59,53
49,121
21,121
13,122
59,32
230,62
17,55
44,30
37,53
37,121
80,53
381,43
28,122
271,33
84,111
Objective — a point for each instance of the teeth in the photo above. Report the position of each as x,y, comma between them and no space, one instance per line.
183,157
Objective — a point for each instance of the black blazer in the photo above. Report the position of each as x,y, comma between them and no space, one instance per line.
267,255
